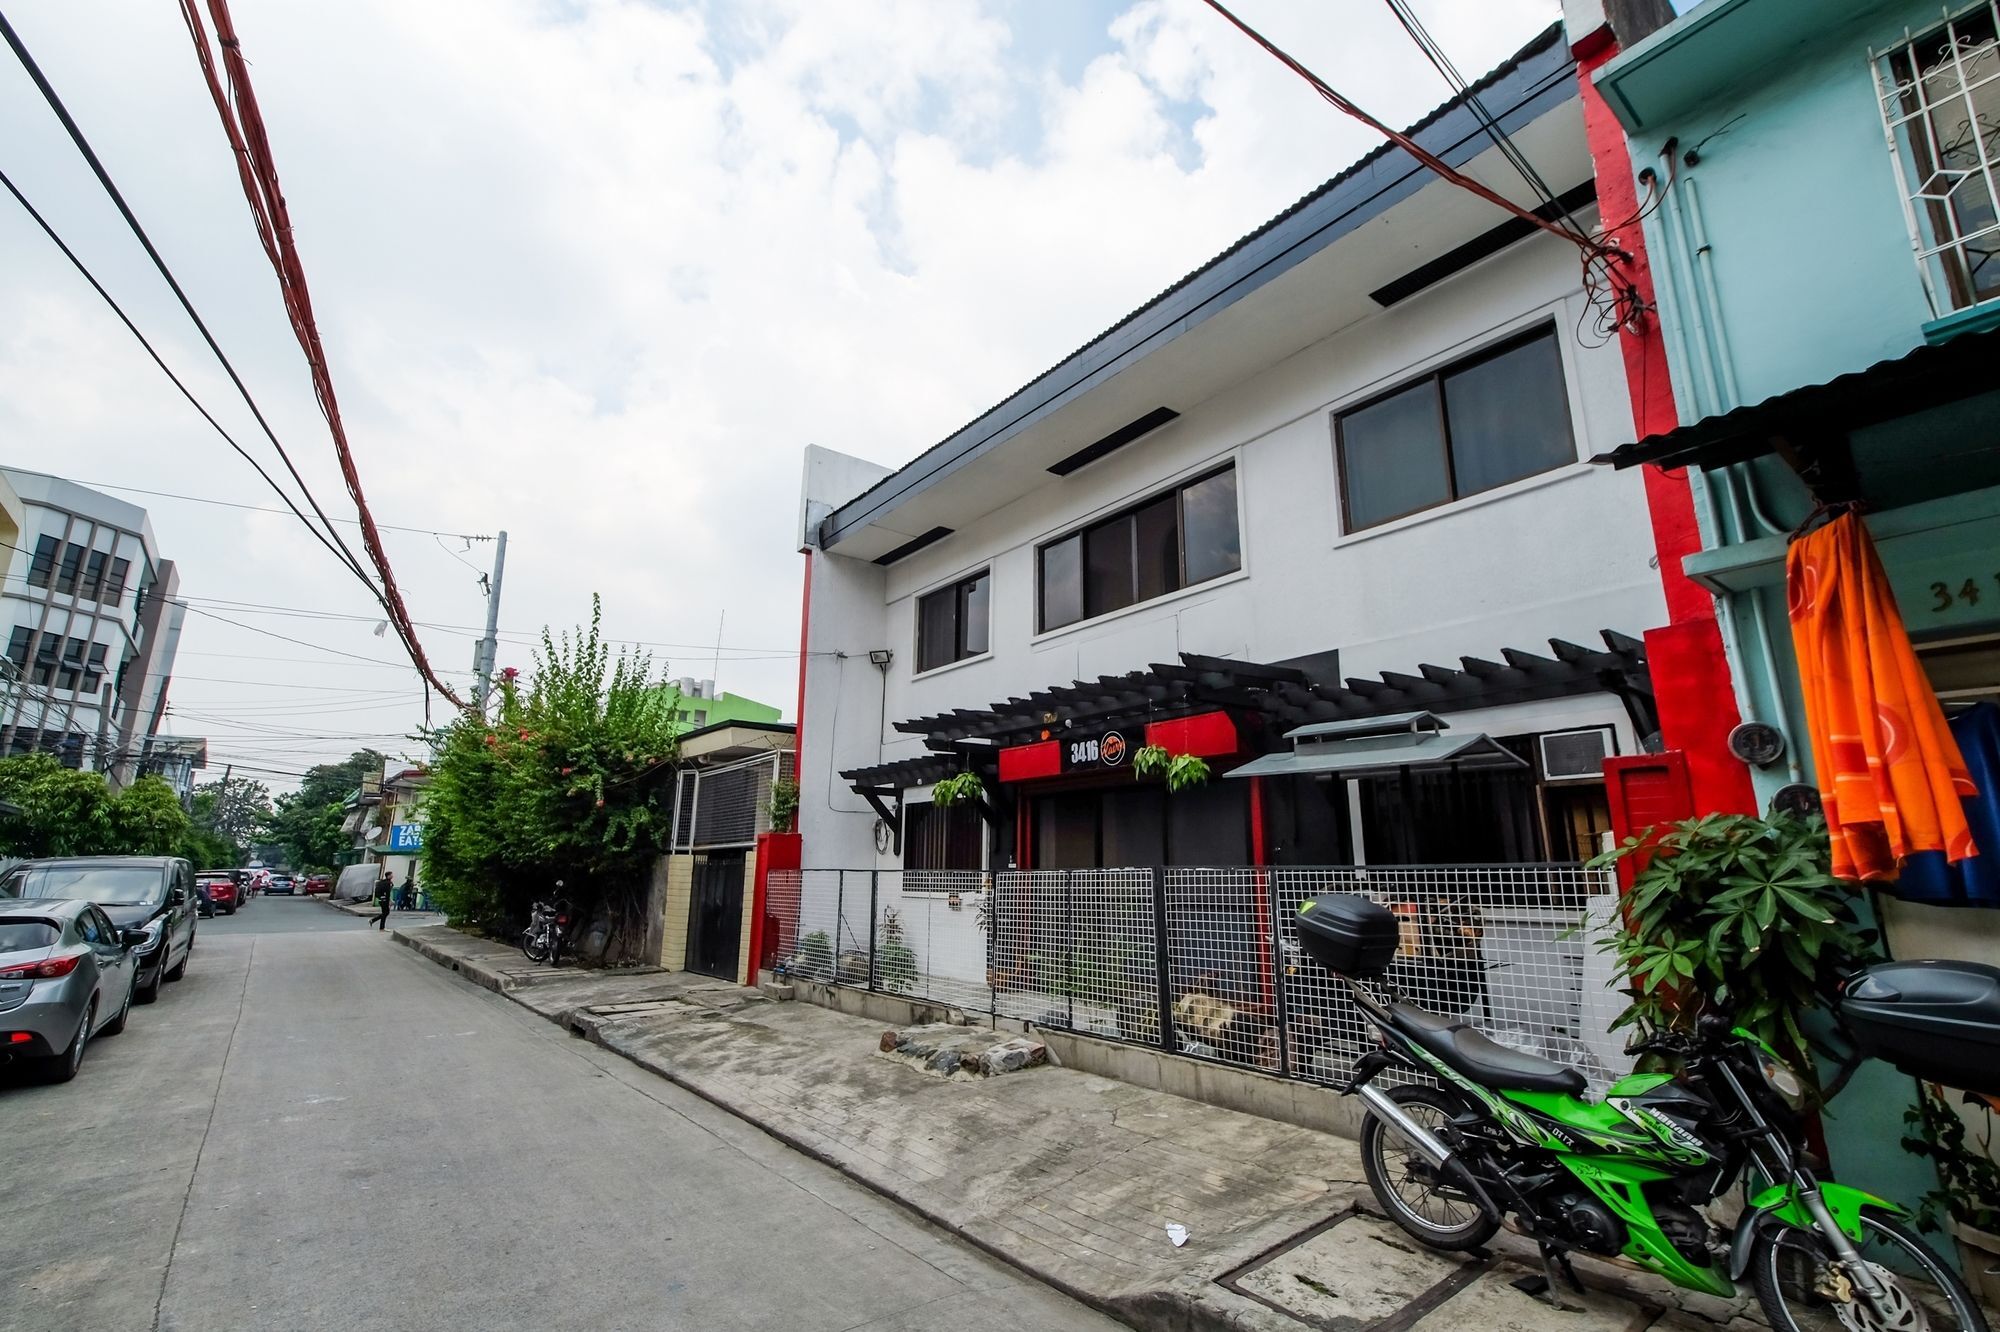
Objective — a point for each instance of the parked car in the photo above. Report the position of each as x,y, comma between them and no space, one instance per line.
66,974
151,894
318,883
281,884
219,889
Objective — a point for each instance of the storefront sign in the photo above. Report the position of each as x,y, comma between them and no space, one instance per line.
406,837
1105,750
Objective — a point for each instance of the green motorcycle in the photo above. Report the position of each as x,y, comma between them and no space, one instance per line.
1502,1133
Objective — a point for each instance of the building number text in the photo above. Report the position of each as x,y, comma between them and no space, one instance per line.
1081,752
1965,594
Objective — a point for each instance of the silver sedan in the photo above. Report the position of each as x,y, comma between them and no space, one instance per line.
66,975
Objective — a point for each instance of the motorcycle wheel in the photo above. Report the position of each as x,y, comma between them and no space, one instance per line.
1800,1290
535,944
1432,1210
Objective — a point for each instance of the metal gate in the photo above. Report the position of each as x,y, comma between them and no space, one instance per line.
715,915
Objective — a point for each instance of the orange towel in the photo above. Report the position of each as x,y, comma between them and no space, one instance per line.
1890,774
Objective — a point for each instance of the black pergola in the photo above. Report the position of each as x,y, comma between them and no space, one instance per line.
1273,697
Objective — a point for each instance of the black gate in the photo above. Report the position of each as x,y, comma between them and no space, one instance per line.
715,916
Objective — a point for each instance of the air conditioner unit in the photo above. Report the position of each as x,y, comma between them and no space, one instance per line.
1570,756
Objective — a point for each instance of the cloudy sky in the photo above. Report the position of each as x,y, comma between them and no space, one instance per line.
595,271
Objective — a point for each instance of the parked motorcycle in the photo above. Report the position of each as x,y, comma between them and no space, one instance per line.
548,930
1505,1137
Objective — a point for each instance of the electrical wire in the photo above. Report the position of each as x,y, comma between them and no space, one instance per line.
244,125
270,633
71,255
257,508
110,187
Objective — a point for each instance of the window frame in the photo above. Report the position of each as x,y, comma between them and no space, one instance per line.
1435,378
960,590
1129,513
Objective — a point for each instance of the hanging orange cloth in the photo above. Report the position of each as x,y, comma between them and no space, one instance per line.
1890,774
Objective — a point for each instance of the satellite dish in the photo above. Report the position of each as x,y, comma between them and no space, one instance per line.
374,835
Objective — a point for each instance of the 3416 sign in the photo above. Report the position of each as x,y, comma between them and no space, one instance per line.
1106,750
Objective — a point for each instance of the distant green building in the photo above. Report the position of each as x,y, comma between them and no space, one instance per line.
697,704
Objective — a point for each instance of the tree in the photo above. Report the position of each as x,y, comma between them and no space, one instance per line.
306,822
66,812
567,782
235,809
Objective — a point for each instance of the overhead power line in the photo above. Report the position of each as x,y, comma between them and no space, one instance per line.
263,508
97,167
243,123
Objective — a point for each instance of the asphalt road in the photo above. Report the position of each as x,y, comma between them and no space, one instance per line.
319,1129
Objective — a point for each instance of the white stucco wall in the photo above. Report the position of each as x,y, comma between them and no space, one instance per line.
1565,554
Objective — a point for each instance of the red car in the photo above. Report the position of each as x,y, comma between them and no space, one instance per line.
219,890
316,883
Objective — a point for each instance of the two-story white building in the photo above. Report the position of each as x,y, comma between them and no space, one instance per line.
1335,477
1337,473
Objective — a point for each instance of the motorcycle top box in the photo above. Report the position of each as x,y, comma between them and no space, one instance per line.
1348,934
1935,1020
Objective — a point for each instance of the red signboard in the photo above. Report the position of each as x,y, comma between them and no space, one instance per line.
1019,763
1205,734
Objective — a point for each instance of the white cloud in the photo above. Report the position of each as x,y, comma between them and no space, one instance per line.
596,272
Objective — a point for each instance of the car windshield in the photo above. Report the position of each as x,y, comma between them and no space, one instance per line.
18,936
85,883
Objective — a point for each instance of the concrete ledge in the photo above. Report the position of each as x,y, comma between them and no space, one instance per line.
1223,1085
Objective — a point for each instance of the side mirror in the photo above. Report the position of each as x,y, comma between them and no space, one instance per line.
176,896
132,938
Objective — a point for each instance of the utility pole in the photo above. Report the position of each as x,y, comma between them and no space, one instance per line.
489,646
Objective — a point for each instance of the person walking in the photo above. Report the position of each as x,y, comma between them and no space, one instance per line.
406,892
384,886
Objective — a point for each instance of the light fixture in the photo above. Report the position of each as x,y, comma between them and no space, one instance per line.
880,658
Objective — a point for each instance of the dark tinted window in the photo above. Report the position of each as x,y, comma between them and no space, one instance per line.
1182,537
1208,520
1509,417
1393,457
1480,423
87,928
17,936
951,622
941,837
1062,582
86,883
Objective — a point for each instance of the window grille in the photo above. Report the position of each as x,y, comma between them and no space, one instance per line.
725,806
1940,101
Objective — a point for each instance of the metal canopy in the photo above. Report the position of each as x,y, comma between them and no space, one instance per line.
1383,752
1274,697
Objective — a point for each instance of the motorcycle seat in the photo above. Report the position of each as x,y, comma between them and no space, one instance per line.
1482,1059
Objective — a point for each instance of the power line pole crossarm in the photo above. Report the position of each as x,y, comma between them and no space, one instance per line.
489,646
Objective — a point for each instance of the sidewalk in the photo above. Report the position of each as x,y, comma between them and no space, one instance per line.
1072,1177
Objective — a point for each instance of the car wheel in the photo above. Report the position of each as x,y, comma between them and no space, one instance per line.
230,912
151,991
65,1065
117,1024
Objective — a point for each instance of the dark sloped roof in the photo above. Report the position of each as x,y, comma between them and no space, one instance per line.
1546,50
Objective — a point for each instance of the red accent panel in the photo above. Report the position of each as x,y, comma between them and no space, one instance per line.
1697,704
1259,849
1646,791
775,851
1668,500
1204,734
1018,763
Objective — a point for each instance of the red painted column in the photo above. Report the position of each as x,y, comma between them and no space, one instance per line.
1691,683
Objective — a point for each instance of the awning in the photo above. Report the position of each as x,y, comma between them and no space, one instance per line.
1810,427
1379,745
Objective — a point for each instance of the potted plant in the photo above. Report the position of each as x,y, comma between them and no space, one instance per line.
1968,1192
1693,932
1182,772
952,790
895,960
782,804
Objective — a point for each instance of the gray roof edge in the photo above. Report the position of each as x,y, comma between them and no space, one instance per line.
1533,81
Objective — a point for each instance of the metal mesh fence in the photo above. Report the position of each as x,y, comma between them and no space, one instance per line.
1505,947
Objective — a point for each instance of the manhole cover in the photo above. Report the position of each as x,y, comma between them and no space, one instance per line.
1356,1272
1492,1304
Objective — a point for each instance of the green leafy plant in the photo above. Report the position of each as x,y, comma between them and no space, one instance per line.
1968,1189
895,960
67,812
1186,772
1734,914
570,779
1151,761
816,956
782,804
953,790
